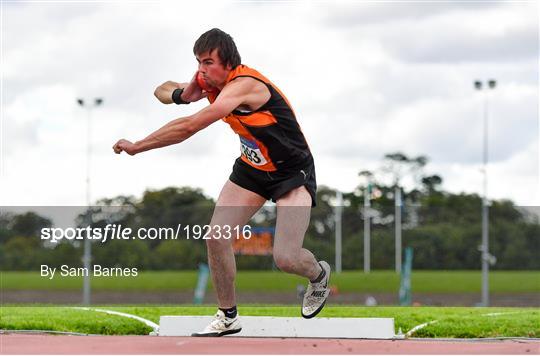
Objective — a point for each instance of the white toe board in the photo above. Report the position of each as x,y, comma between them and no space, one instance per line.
266,326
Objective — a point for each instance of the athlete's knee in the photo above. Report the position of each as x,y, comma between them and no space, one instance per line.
285,261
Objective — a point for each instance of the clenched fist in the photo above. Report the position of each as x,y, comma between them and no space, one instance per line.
126,146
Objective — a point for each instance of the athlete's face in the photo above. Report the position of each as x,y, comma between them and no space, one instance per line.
213,71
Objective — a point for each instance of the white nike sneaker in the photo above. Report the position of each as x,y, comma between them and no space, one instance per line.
221,325
316,294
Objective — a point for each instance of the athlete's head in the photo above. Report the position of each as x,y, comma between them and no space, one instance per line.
215,39
217,55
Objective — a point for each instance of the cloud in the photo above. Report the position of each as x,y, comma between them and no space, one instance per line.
369,13
364,79
457,32
516,178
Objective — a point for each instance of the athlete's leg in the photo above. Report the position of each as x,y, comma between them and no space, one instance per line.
235,206
293,212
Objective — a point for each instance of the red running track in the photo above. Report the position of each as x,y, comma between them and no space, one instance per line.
142,345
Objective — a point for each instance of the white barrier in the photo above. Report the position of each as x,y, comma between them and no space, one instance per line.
265,326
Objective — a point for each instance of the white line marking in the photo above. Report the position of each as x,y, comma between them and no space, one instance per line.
421,326
497,314
418,327
151,324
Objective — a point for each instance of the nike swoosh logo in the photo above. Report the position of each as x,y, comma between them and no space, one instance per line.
304,173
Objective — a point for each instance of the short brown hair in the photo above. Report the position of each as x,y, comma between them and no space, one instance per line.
223,42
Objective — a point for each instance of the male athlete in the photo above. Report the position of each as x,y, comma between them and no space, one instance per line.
275,163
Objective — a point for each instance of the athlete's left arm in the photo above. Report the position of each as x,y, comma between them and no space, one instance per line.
233,94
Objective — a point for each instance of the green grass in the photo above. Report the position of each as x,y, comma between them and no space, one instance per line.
452,322
348,281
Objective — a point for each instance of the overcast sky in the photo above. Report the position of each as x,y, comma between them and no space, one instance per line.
364,78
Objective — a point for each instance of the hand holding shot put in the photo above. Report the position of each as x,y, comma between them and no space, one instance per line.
275,164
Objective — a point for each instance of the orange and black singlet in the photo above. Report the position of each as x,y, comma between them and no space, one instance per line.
270,137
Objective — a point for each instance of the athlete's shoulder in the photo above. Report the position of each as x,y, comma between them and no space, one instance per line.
244,71
237,76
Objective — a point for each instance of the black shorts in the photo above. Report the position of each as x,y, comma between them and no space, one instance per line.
273,185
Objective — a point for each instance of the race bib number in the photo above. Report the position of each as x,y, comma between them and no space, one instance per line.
251,151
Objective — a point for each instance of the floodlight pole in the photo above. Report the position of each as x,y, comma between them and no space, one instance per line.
485,255
87,255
